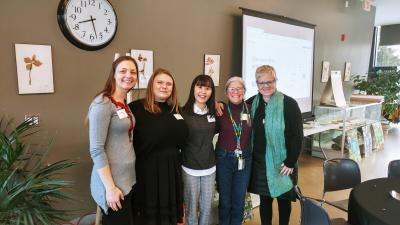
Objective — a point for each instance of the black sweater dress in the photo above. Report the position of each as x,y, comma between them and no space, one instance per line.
157,138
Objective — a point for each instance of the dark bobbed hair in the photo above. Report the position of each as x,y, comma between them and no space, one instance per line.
201,80
109,87
149,100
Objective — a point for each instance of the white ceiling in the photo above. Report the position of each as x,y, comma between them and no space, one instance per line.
387,12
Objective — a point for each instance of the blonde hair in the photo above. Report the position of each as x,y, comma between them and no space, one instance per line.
172,101
265,69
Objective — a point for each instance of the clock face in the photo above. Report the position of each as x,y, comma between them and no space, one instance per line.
88,24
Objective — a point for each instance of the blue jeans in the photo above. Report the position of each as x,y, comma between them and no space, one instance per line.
232,186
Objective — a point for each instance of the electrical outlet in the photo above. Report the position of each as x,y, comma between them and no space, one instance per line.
34,118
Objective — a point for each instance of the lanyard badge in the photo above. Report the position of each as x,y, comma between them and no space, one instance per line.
237,129
241,163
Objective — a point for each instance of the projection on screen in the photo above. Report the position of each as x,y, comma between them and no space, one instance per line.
288,48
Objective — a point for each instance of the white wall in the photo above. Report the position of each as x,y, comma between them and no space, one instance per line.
387,12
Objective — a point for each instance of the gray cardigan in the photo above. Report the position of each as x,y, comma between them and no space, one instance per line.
110,145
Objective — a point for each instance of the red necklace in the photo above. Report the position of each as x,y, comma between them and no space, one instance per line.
125,107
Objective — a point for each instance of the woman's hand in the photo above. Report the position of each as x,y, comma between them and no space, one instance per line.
113,197
219,108
286,171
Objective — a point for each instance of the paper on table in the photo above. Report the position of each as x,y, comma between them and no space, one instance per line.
333,87
337,88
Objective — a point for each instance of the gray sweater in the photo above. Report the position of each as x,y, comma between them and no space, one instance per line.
110,145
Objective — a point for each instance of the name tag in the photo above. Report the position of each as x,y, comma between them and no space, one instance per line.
210,119
178,116
245,116
122,114
241,163
263,121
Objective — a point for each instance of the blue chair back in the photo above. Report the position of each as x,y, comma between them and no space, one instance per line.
394,168
311,212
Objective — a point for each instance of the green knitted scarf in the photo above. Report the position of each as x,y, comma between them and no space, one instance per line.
274,125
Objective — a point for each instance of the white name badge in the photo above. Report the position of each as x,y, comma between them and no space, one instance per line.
245,116
210,119
241,164
178,116
122,114
263,121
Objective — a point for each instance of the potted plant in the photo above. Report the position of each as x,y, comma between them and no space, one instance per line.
387,84
29,186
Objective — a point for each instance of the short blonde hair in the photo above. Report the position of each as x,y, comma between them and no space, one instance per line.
265,69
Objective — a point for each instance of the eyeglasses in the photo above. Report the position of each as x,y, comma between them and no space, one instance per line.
233,89
268,83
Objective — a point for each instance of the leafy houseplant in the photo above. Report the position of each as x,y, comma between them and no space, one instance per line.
28,186
386,83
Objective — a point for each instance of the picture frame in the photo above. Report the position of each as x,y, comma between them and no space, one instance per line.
347,71
212,67
144,59
34,69
325,71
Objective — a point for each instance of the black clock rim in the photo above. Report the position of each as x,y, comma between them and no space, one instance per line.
64,29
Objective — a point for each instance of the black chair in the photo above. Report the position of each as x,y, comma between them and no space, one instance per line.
340,174
394,168
313,214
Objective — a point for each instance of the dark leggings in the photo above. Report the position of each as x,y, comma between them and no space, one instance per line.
284,206
123,216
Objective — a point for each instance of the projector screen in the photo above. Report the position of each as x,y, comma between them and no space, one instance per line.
285,44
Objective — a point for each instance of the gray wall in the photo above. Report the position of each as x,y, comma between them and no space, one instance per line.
179,32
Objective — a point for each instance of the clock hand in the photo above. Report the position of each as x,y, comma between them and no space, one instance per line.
84,21
94,28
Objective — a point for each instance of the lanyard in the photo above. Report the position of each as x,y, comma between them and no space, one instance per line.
237,128
125,107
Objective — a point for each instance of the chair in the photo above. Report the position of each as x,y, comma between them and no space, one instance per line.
340,174
394,168
313,214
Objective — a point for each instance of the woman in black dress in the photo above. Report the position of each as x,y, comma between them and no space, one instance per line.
159,133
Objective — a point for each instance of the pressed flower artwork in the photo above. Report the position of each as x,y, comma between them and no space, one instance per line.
211,67
34,68
30,63
144,59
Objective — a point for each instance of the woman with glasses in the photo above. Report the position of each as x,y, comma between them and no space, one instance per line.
159,134
277,141
233,153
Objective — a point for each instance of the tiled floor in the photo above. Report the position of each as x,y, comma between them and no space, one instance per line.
311,177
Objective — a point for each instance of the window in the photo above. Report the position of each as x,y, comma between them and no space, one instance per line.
387,52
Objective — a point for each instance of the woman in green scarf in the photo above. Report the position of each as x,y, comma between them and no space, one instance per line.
277,142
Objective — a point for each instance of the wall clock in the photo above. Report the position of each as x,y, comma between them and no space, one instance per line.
88,24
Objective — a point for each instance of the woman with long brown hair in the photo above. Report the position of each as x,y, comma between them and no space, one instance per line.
110,132
159,134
